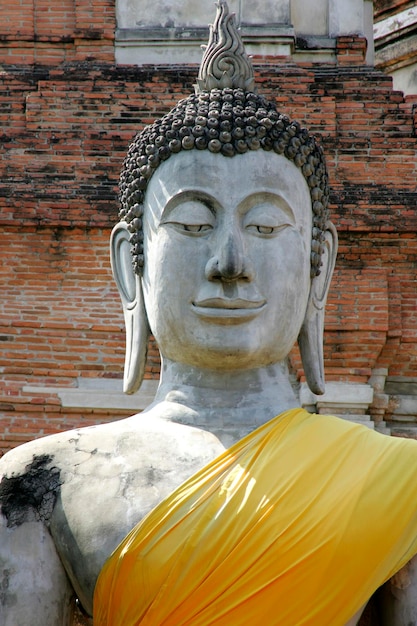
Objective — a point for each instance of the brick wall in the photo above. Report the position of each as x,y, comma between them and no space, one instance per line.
67,115
41,31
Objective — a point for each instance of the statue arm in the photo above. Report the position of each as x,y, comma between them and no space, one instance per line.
34,588
398,597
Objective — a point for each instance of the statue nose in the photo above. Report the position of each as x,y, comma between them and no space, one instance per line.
229,261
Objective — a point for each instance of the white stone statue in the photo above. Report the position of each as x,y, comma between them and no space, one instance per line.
233,267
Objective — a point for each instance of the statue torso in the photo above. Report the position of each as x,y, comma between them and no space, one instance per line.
110,477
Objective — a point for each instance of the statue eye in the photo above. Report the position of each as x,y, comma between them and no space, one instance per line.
265,220
265,230
191,218
196,228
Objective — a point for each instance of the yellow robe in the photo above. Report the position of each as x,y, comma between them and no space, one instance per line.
297,524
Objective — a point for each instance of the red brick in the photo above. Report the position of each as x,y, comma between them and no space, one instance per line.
66,129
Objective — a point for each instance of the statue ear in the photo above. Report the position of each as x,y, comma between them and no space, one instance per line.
310,339
136,321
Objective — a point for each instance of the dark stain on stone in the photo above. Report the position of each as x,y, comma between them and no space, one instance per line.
30,496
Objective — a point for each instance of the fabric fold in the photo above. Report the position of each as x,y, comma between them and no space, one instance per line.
298,523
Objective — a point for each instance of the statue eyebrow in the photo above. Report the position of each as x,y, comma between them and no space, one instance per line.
187,195
259,197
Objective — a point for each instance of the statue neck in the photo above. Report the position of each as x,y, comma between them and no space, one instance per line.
234,402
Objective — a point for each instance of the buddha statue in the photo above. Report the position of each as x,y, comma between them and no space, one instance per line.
223,502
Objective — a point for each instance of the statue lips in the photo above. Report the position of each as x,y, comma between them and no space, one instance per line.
228,310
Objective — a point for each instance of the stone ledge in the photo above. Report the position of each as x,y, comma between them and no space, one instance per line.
401,385
405,408
346,400
155,45
143,46
101,394
345,395
394,26
315,42
270,32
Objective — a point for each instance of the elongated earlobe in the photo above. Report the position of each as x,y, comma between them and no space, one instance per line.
136,321
310,339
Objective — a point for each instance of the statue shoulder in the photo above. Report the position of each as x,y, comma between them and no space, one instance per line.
31,476
37,471
90,486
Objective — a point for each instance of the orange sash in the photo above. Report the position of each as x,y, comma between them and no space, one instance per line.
297,524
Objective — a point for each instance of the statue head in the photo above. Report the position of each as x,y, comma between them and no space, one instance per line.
241,192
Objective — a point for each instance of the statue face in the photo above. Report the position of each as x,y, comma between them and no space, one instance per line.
227,258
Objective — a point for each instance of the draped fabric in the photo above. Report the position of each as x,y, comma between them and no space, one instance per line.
296,524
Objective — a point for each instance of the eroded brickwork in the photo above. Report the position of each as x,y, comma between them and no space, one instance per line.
44,32
67,116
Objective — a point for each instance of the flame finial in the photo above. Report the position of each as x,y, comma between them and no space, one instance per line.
225,62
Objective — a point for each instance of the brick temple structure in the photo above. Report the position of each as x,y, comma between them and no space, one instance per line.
76,83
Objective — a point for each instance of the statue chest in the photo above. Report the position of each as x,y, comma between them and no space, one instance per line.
110,489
